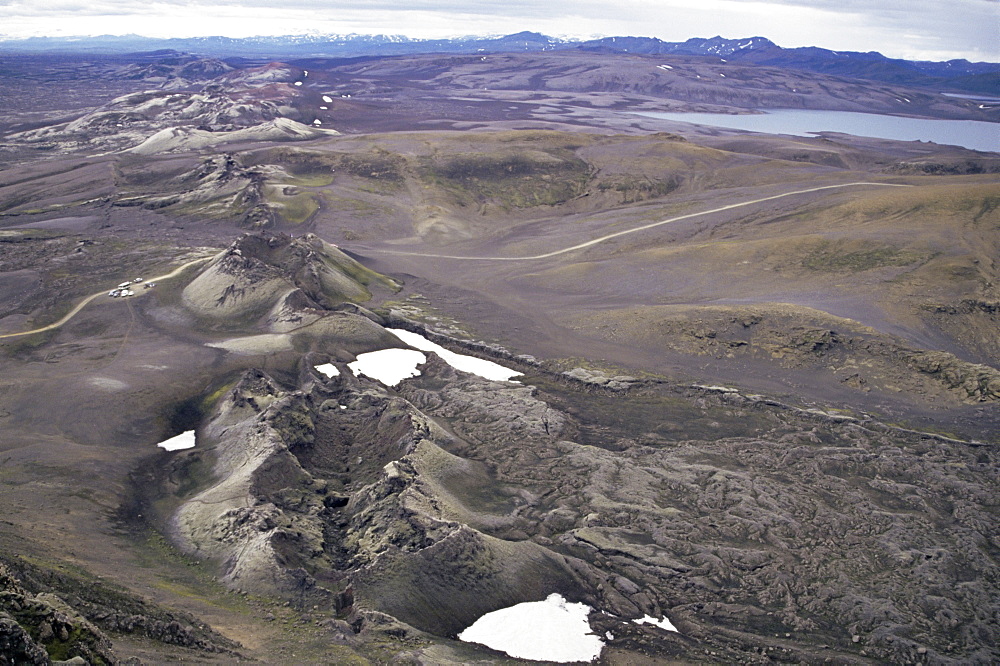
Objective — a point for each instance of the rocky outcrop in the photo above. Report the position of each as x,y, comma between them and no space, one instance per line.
44,605
129,120
600,378
978,164
343,496
975,382
283,281
219,186
180,139
973,322
235,520
725,534
797,338
35,629
176,70
17,647
768,533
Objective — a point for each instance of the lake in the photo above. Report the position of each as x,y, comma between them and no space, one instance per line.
974,134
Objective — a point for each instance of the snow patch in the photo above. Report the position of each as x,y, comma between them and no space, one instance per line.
328,369
185,440
463,362
389,366
550,630
662,624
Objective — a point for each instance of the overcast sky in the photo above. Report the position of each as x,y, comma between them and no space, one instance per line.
921,29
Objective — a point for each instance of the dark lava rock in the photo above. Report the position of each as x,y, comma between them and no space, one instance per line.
450,496
16,646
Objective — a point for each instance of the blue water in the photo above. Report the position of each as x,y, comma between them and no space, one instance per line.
974,134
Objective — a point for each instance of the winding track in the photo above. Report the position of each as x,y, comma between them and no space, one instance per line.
82,304
644,227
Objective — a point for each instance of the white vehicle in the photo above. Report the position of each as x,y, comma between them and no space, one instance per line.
124,285
137,280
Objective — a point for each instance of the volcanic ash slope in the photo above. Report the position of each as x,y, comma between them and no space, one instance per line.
259,273
425,506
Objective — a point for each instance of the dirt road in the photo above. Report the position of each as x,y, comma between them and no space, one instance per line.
82,304
644,227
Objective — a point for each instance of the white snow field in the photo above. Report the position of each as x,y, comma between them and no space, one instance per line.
662,624
389,366
185,440
550,630
463,362
328,369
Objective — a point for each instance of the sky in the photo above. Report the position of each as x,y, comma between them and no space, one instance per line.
915,29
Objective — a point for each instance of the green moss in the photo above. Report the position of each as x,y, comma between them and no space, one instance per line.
83,591
60,650
837,257
380,164
633,189
318,179
315,169
341,263
185,576
209,401
357,207
22,346
297,208
519,179
23,235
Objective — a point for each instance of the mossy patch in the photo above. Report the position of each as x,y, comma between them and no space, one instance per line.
511,179
293,207
319,179
857,257
24,235
209,401
633,189
356,207
316,168
100,601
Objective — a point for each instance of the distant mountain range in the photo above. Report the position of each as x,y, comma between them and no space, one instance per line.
979,77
